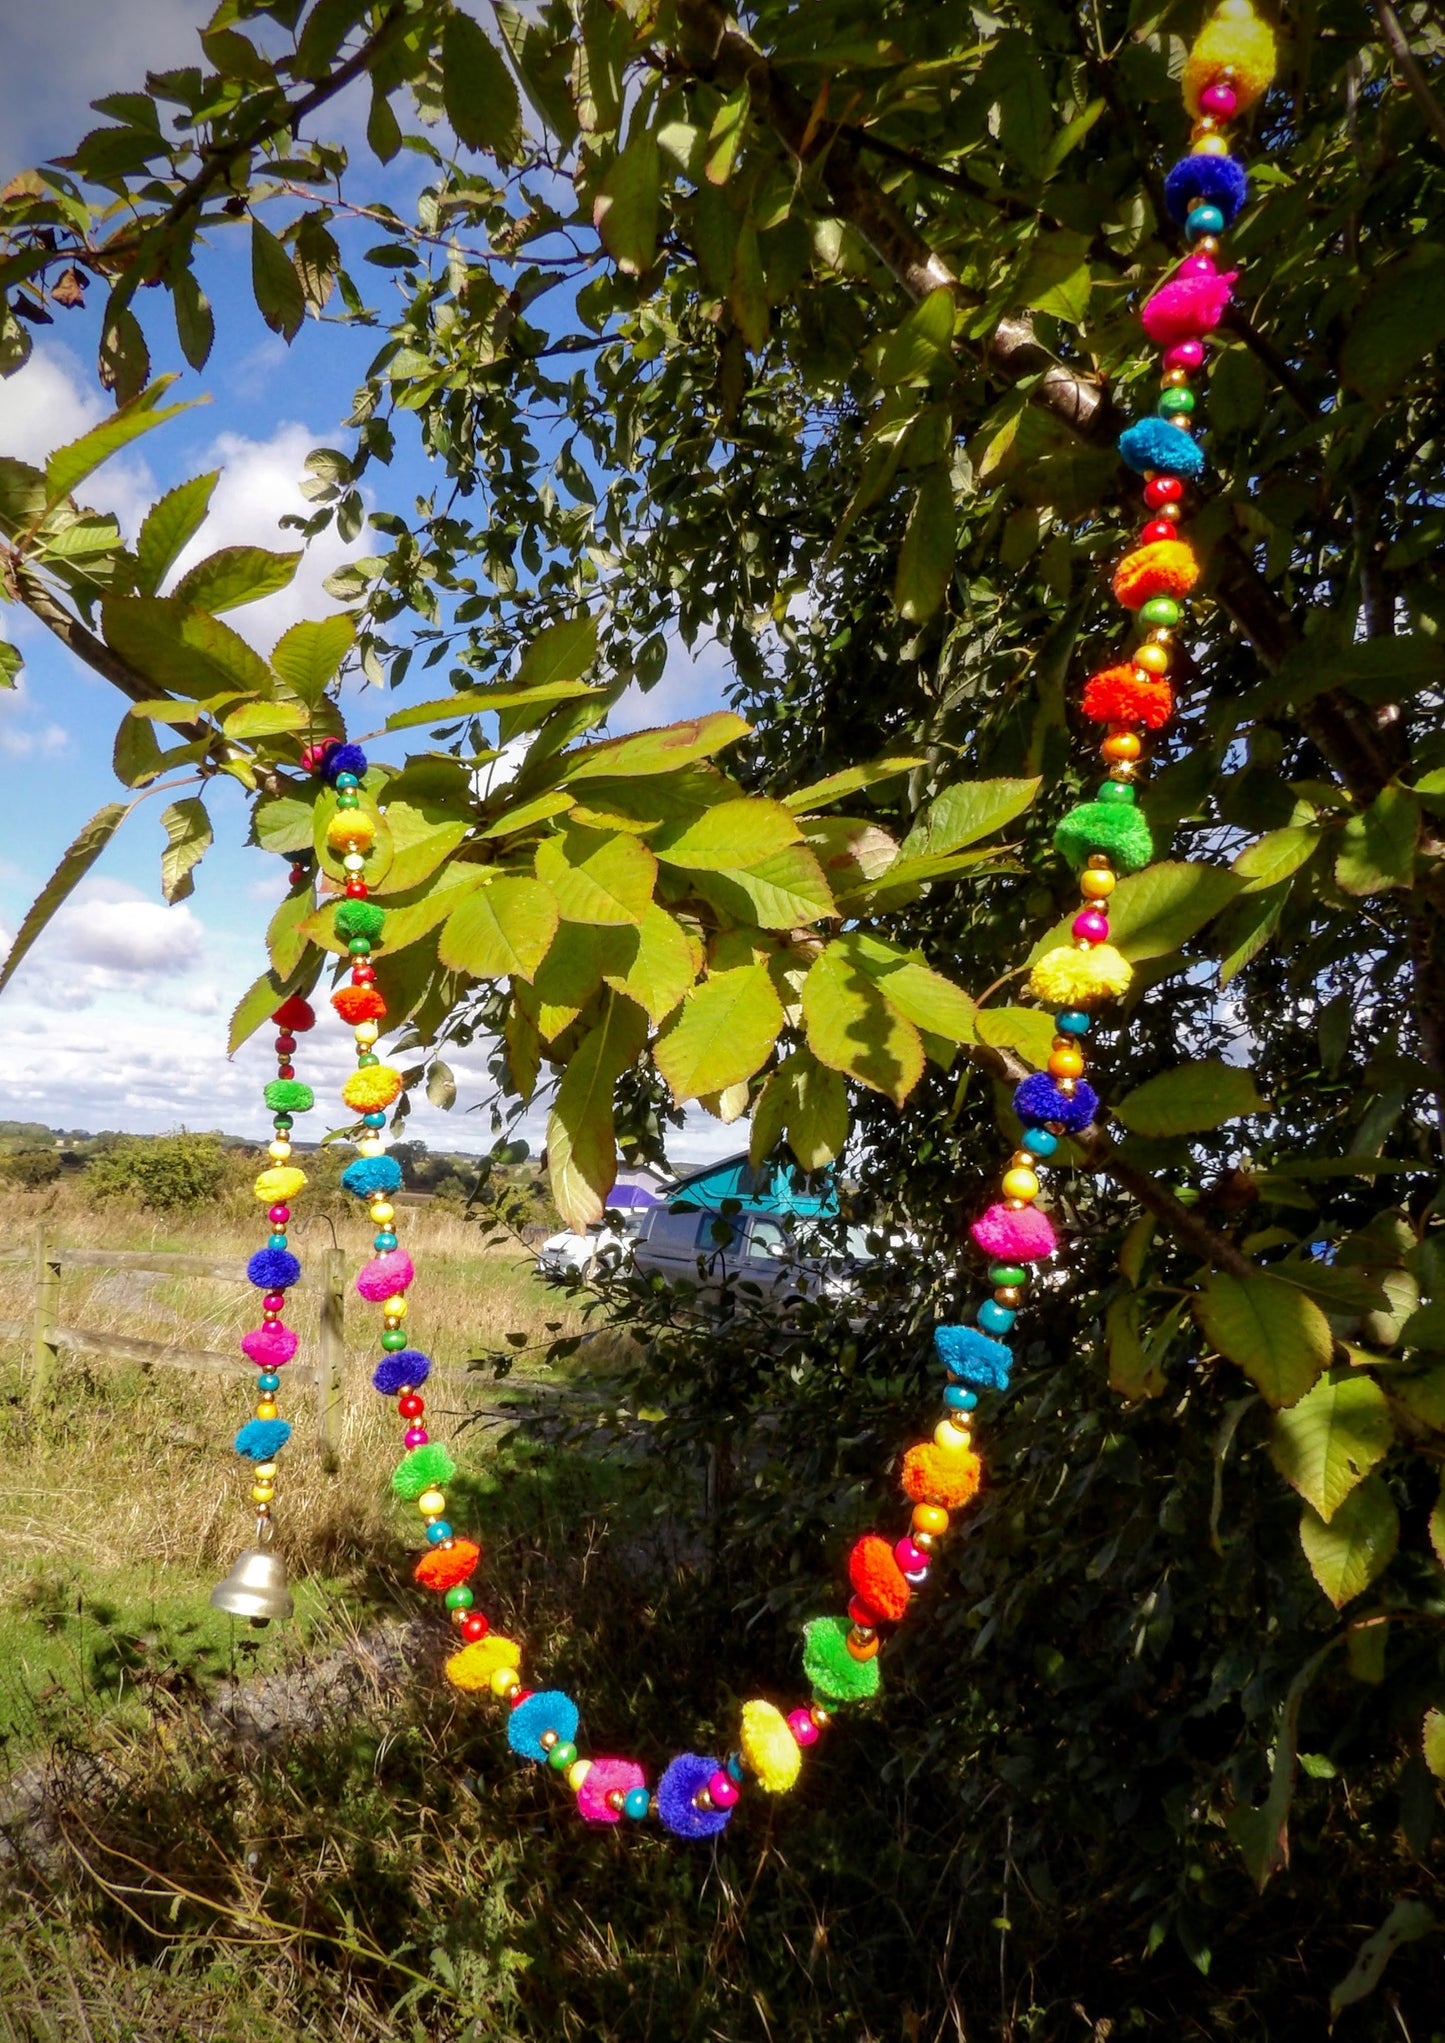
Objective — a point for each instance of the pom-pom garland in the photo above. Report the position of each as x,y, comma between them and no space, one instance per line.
385,1276
1073,978
1167,568
271,1346
973,1357
1188,308
273,1269
358,1004
280,1183
1015,1235
371,1088
1157,443
1111,830
603,1793
1038,1099
769,1749
359,918
1208,180
877,1577
932,1476
678,1795
370,1175
289,1096
547,1709
350,830
1127,695
407,1369
447,1566
262,1439
836,1676
476,1665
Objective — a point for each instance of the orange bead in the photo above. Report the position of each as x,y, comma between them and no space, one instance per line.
1121,745
1154,659
1066,1063
1096,886
930,1518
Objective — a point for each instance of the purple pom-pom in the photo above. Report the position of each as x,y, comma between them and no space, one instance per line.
394,1372
548,1709
1039,1099
1218,179
273,1269
342,759
973,1357
687,1776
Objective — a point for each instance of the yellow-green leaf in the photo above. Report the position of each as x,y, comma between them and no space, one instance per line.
265,720
1189,1098
1432,1742
581,1140
597,878
658,751
1357,1545
188,836
1276,856
500,931
1377,848
559,653
722,1033
477,89
729,837
786,891
625,209
1026,1030
79,857
819,793
921,343
183,650
851,1027
921,995
236,575
1327,1443
809,1103
965,812
661,969
309,655
1278,1337
925,559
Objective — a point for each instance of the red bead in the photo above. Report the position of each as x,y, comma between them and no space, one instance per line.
863,1613
1156,529
801,1724
285,1070
1163,489
285,1046
297,875
411,1406
520,1695
723,1790
363,975
474,1627
356,890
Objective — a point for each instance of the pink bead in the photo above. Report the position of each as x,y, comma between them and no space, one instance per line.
1219,100
417,1436
274,1301
279,1215
1184,355
801,1724
909,1557
1090,926
1200,265
723,1790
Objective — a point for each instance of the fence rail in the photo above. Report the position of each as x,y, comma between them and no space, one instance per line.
50,1337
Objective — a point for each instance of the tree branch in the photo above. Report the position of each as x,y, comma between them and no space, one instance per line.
1414,77
1101,1154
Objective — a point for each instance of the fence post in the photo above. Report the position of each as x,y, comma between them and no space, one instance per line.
331,1360
47,1315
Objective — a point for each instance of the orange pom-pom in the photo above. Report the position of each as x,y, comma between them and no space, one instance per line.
445,1567
1167,568
358,1004
931,1476
878,1578
1127,695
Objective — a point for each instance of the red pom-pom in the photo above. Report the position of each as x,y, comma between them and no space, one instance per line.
358,1004
1127,695
445,1567
878,1578
295,1014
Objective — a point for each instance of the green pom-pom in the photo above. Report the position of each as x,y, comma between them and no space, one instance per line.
289,1096
836,1676
1120,833
360,918
425,1468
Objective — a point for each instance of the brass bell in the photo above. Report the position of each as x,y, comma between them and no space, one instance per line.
256,1586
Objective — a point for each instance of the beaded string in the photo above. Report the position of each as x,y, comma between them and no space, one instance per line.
1229,67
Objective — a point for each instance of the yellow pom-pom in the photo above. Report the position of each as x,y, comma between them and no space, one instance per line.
274,1187
1235,40
371,1088
1065,977
348,827
475,1665
768,1747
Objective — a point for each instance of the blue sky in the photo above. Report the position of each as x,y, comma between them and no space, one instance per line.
118,1018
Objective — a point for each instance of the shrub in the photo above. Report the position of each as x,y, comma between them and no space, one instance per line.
171,1173
32,1168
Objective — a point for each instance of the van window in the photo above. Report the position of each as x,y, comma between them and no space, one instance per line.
675,1233
767,1240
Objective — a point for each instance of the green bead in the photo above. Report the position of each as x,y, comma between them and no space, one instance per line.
1160,610
363,1063
393,1338
460,1598
1116,791
562,1755
1173,403
359,946
1007,1273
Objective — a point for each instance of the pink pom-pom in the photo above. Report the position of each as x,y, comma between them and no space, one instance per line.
383,1275
608,1777
1190,306
1015,1236
268,1347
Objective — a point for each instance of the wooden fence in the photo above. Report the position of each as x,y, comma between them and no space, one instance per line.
50,1338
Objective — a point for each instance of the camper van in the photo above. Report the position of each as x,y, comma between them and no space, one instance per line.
760,1244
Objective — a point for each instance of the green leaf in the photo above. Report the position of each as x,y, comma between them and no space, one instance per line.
235,575
1437,1525
79,857
1278,1337
1056,277
1432,1740
168,527
581,1141
283,824
921,995
383,130
597,878
852,1027
1327,1443
662,967
309,655
1425,1328
809,1103
1188,1099
1153,912
1357,1545
1276,856
561,652
265,720
786,891
1407,1922
658,751
262,998
125,360
1400,323
182,650
1133,1373
195,321
501,931
1028,1030
625,209
1377,849
729,837
820,793
722,1033
68,466
22,493
477,90
280,300
423,837
965,812
726,134
922,342
475,701
925,559
1262,1834
137,757
188,837
441,1087
286,933
1247,928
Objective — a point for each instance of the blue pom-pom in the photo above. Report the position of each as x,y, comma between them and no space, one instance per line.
342,759
273,1269
407,1365
371,1174
547,1710
1154,443
688,1774
1218,179
1039,1099
262,1439
973,1357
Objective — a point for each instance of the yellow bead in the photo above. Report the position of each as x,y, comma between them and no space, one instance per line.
504,1680
266,1410
265,1472
577,1772
1020,1184
431,1503
952,1439
1211,145
1096,886
371,1145
381,1212
367,1032
1153,659
930,1518
394,1308
263,1493
1121,745
278,1150
1067,1063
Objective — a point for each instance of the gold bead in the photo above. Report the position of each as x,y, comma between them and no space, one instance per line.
923,1541
1022,1159
702,1800
1174,379
547,1740
1020,1184
1009,1295
1099,862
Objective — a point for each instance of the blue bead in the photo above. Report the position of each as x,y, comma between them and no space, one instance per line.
734,1766
347,780
1204,220
438,1530
268,1380
1073,1021
993,1318
275,1241
385,1241
636,1803
958,1399
373,1120
1039,1142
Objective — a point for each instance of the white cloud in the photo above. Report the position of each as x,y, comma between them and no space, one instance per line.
63,53
692,683
111,940
20,736
52,401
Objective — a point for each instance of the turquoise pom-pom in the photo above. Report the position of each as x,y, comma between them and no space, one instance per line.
1154,443
973,1357
262,1439
547,1710
371,1174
